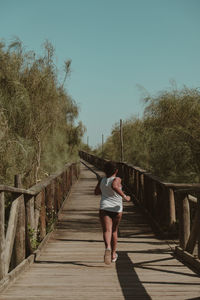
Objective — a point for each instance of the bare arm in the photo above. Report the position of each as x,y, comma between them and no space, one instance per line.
116,185
97,190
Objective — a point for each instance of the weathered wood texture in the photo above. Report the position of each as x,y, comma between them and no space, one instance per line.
20,240
198,225
2,235
71,264
184,220
169,206
11,232
29,217
148,190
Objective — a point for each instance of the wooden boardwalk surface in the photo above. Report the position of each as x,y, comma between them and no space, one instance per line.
71,264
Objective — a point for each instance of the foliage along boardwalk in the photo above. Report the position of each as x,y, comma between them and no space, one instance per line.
71,264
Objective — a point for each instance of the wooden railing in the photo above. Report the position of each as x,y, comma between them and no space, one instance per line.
26,221
170,206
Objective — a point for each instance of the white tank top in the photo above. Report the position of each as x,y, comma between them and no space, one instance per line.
110,200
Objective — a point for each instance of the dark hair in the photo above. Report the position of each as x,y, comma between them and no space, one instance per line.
110,168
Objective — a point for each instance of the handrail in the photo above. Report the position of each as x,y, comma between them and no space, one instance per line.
31,214
170,205
6,188
34,190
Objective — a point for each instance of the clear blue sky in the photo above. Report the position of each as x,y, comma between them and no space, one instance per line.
115,46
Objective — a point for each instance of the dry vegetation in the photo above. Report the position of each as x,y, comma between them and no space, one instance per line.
166,140
38,134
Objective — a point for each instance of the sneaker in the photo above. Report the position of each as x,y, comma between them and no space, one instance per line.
107,257
115,259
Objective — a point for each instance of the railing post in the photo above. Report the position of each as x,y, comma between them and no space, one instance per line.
74,173
61,185
198,209
165,207
136,183
65,182
172,211
49,200
38,201
194,231
42,216
184,220
30,222
20,241
30,213
70,176
68,180
17,181
20,237
77,170
11,234
146,192
151,200
2,235
141,188
63,179
57,199
159,206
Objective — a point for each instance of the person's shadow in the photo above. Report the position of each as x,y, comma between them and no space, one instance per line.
129,281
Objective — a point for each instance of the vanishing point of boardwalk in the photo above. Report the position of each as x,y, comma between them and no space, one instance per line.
71,264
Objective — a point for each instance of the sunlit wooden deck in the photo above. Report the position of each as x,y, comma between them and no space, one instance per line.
71,264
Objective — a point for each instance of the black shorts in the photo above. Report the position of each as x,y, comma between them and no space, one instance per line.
111,214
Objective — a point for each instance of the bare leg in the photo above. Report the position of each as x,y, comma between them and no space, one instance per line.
106,223
115,227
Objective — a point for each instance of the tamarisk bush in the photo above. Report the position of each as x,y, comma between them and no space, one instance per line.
166,140
38,133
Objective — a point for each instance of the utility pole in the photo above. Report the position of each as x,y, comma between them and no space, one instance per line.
102,145
121,141
88,141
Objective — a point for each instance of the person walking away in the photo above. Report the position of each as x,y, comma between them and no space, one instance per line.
111,207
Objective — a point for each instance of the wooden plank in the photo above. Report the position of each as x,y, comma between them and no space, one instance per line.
11,189
49,200
198,238
60,184
194,233
183,186
57,199
42,216
172,210
38,201
192,198
18,181
2,235
188,258
71,265
30,223
11,231
34,190
20,237
189,186
184,220
64,178
38,187
30,213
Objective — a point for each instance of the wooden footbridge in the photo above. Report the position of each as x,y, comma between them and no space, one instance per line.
68,263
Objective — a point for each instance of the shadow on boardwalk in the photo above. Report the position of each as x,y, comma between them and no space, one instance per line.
71,265
128,278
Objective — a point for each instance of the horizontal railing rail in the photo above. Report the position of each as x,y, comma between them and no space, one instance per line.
26,216
173,207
